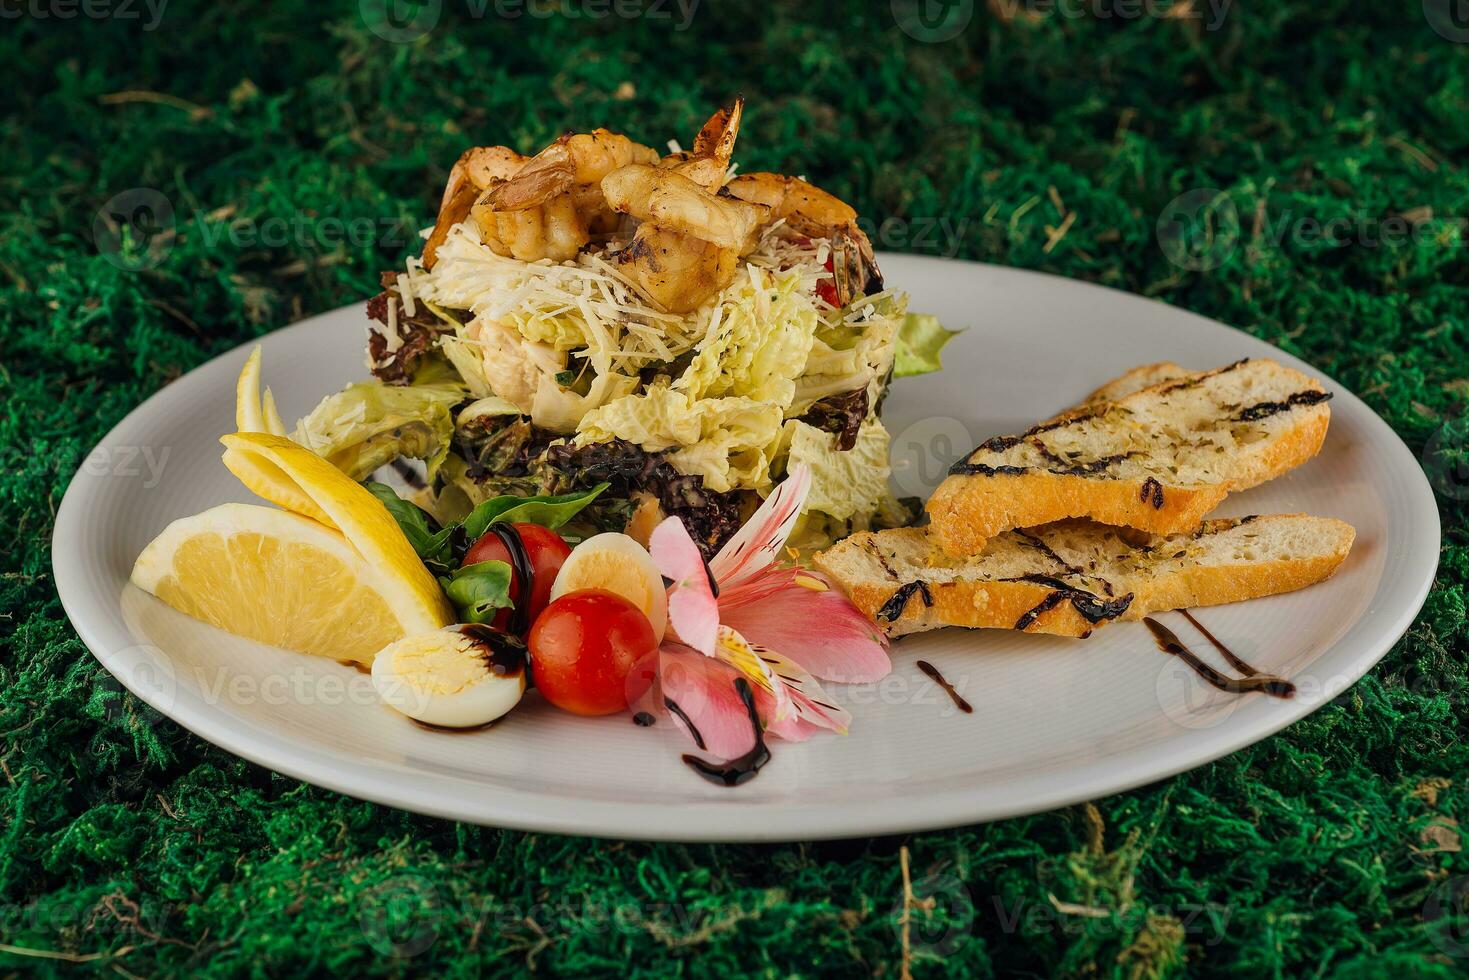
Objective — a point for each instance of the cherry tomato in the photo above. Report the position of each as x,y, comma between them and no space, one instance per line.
827,288
583,647
546,552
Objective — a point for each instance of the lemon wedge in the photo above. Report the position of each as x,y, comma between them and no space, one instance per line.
303,482
282,579
255,412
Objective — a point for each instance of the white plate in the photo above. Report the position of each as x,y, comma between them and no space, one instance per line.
1055,721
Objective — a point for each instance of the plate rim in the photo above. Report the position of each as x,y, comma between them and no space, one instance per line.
103,631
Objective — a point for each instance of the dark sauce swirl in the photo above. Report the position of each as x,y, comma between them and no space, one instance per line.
1263,410
743,769
525,574
503,655
1093,608
894,607
1168,642
943,682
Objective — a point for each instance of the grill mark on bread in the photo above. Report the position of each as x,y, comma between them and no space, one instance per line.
966,468
1185,383
1062,467
882,559
1047,550
893,608
1263,410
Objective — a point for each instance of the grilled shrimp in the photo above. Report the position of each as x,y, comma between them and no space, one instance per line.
804,206
550,207
810,210
475,171
679,272
707,164
689,243
671,200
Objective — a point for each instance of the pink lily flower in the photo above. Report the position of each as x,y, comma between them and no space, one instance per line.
747,614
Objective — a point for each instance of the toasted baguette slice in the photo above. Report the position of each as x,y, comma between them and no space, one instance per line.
1136,380
1158,459
1070,577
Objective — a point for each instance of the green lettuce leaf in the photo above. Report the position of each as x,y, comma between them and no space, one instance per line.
920,340
369,424
549,512
844,484
728,442
432,543
757,343
479,591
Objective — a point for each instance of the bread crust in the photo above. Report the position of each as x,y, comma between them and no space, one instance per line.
967,510
1002,604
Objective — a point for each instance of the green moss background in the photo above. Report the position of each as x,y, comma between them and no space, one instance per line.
1052,141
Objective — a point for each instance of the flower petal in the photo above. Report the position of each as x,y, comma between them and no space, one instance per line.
760,541
811,709
693,612
753,662
699,692
830,636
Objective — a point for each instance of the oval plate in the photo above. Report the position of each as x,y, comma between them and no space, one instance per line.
1055,721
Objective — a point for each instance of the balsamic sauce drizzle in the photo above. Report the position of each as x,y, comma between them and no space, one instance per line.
1093,608
503,655
894,607
1262,410
683,716
966,468
1168,642
743,769
713,582
525,573
1152,488
943,682
408,474
643,719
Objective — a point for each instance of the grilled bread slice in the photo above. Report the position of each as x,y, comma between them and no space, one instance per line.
1158,459
1070,577
1136,380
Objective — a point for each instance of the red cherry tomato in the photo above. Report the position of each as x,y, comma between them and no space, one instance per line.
546,551
827,288
583,647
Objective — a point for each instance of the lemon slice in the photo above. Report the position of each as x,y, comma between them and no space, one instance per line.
281,579
255,412
302,481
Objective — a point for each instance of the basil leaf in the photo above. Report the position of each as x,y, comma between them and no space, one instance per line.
478,591
549,512
417,526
